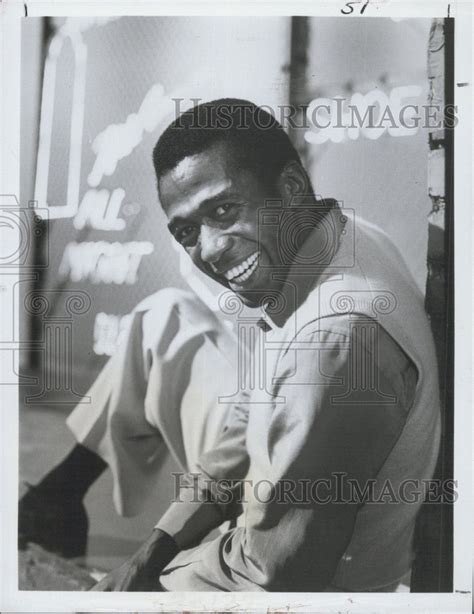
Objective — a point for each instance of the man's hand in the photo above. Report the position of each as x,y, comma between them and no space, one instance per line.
141,572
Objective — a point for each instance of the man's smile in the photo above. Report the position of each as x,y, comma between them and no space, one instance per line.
242,272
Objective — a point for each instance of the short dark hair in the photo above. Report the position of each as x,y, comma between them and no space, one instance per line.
258,140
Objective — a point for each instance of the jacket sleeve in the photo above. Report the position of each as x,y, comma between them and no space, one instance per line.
301,517
206,499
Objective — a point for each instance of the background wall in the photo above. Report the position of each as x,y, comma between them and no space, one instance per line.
383,179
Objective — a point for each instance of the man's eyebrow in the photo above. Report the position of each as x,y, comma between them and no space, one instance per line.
216,198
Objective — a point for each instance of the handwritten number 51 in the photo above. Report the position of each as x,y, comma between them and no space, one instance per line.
349,8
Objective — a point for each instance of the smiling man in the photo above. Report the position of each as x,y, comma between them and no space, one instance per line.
319,458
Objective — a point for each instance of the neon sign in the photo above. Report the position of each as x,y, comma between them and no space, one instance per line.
369,115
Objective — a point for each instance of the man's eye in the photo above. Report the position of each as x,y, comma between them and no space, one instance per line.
221,210
185,234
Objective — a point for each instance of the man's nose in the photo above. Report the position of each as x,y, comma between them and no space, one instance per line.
214,243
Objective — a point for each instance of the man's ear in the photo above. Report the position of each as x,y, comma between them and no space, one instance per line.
293,180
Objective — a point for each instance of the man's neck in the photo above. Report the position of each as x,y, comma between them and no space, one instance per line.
314,256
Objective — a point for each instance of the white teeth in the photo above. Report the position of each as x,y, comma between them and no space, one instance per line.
243,271
241,278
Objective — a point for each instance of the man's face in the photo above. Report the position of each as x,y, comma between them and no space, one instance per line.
212,206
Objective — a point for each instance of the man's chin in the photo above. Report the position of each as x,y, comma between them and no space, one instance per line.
252,296
247,300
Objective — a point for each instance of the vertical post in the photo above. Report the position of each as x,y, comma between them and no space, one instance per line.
298,81
40,240
447,384
434,540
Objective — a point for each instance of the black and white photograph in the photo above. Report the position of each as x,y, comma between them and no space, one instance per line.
236,292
